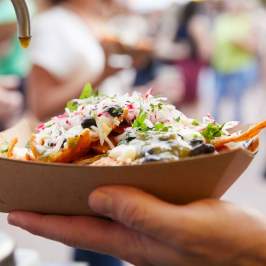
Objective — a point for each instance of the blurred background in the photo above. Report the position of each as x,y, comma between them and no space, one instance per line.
205,56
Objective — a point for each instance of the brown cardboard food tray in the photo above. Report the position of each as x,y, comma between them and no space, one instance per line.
64,189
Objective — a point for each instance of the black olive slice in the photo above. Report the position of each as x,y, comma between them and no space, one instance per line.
88,123
202,149
115,111
196,142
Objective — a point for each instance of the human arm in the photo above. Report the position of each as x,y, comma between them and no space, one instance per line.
47,95
148,231
63,59
248,44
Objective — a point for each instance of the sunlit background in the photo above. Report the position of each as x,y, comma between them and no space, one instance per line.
205,56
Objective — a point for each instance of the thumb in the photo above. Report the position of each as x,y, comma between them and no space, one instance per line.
141,212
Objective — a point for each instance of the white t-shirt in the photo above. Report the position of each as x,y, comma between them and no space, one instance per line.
62,43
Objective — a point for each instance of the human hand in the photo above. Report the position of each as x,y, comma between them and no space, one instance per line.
148,231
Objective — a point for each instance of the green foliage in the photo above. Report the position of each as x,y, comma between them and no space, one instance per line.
161,127
87,92
4,147
139,123
72,106
212,131
195,122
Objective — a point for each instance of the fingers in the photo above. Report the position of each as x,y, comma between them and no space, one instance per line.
81,232
142,212
99,235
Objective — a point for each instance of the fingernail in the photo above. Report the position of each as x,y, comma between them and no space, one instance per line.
101,203
13,219
17,219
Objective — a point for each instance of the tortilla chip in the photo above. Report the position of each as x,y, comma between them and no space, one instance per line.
106,161
89,160
254,145
77,148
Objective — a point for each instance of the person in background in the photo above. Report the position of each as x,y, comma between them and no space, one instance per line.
184,42
234,57
65,54
14,66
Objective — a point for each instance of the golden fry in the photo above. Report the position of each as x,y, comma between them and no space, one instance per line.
11,147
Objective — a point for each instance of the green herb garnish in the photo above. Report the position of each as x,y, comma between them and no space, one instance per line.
178,119
87,92
161,127
155,107
72,106
212,131
195,122
4,147
139,122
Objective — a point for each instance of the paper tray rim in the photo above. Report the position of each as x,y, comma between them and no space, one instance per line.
190,159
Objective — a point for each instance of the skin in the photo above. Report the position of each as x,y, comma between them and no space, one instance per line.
147,231
42,84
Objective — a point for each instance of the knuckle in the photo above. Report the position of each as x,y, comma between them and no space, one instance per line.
134,216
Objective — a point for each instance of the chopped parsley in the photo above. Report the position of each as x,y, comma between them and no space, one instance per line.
4,147
178,119
161,127
140,123
212,131
72,106
155,107
87,92
195,122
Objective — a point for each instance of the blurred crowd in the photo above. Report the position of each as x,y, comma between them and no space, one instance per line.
188,49
205,56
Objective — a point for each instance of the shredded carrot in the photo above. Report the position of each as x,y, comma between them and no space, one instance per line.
247,135
11,147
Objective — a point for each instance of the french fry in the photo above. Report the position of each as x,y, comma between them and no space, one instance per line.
11,147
